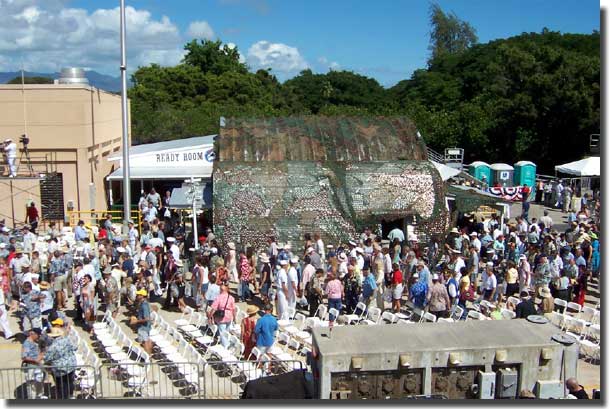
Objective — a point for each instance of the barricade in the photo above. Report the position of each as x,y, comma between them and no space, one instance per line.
152,380
226,379
39,382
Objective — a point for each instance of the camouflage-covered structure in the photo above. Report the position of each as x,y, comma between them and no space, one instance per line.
332,175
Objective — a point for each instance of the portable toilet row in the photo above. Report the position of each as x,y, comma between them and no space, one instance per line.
524,172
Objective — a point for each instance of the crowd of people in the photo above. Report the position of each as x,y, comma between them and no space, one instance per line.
100,270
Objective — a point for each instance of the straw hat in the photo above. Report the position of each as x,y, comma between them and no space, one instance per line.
231,245
56,332
454,230
44,285
251,310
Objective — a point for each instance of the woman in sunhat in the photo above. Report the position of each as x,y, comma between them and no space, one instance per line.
247,330
60,356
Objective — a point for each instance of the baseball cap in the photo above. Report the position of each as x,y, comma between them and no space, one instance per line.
142,291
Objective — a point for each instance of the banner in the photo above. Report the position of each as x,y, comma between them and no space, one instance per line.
513,193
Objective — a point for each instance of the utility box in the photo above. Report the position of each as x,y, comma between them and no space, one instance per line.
525,174
487,385
479,169
508,382
553,389
502,175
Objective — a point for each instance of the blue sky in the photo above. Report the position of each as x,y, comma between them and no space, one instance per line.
386,40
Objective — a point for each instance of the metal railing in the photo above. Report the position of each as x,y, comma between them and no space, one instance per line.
227,379
140,380
95,217
38,382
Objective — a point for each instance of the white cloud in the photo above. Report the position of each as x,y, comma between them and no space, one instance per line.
281,58
334,66
46,35
200,29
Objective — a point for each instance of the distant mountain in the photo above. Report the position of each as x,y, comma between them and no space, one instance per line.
102,81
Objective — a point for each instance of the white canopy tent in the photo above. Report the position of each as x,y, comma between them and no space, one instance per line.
446,172
584,167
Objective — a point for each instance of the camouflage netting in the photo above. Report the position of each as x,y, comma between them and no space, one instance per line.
288,199
331,175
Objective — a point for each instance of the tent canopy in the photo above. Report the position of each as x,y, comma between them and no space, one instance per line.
584,167
178,199
446,171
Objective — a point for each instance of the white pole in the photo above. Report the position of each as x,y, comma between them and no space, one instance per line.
25,116
194,190
126,178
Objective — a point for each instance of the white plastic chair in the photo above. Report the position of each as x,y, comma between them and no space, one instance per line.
475,315
428,317
285,322
587,313
457,313
445,320
513,300
297,324
560,304
388,317
573,309
590,344
359,312
507,314
185,317
373,316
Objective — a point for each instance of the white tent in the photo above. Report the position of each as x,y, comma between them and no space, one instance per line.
584,167
446,172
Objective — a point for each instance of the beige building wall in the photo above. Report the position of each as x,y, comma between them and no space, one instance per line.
72,130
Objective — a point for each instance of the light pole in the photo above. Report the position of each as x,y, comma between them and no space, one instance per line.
124,116
194,194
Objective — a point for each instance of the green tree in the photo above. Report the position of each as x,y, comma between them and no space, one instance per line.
449,34
213,57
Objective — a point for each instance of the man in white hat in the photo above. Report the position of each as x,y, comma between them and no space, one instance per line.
360,258
174,249
474,241
231,263
282,291
453,241
133,235
342,270
10,150
319,246
293,282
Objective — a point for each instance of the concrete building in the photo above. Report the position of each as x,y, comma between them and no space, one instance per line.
72,129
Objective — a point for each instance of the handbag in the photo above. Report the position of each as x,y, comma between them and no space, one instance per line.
219,315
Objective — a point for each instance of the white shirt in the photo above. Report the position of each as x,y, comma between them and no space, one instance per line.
151,214
28,241
320,248
293,280
205,272
476,243
459,263
490,282
11,150
89,269
282,280
155,242
47,301
360,260
342,269
175,251
133,236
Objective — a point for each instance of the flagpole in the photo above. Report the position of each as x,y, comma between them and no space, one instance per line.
124,112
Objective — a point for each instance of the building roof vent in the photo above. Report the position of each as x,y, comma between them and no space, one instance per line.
73,76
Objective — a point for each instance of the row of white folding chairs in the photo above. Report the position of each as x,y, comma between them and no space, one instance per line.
587,336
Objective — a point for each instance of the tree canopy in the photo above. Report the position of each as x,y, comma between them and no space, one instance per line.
31,80
533,97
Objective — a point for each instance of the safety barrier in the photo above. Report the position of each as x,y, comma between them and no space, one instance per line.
150,380
39,382
226,379
97,217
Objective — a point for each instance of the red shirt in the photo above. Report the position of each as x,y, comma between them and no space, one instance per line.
397,277
32,214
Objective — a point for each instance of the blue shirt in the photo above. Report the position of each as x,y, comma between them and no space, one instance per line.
368,286
80,233
144,313
57,266
33,307
418,293
212,292
264,330
60,356
29,350
128,267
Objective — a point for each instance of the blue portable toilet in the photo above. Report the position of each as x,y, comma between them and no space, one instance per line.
479,169
502,174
